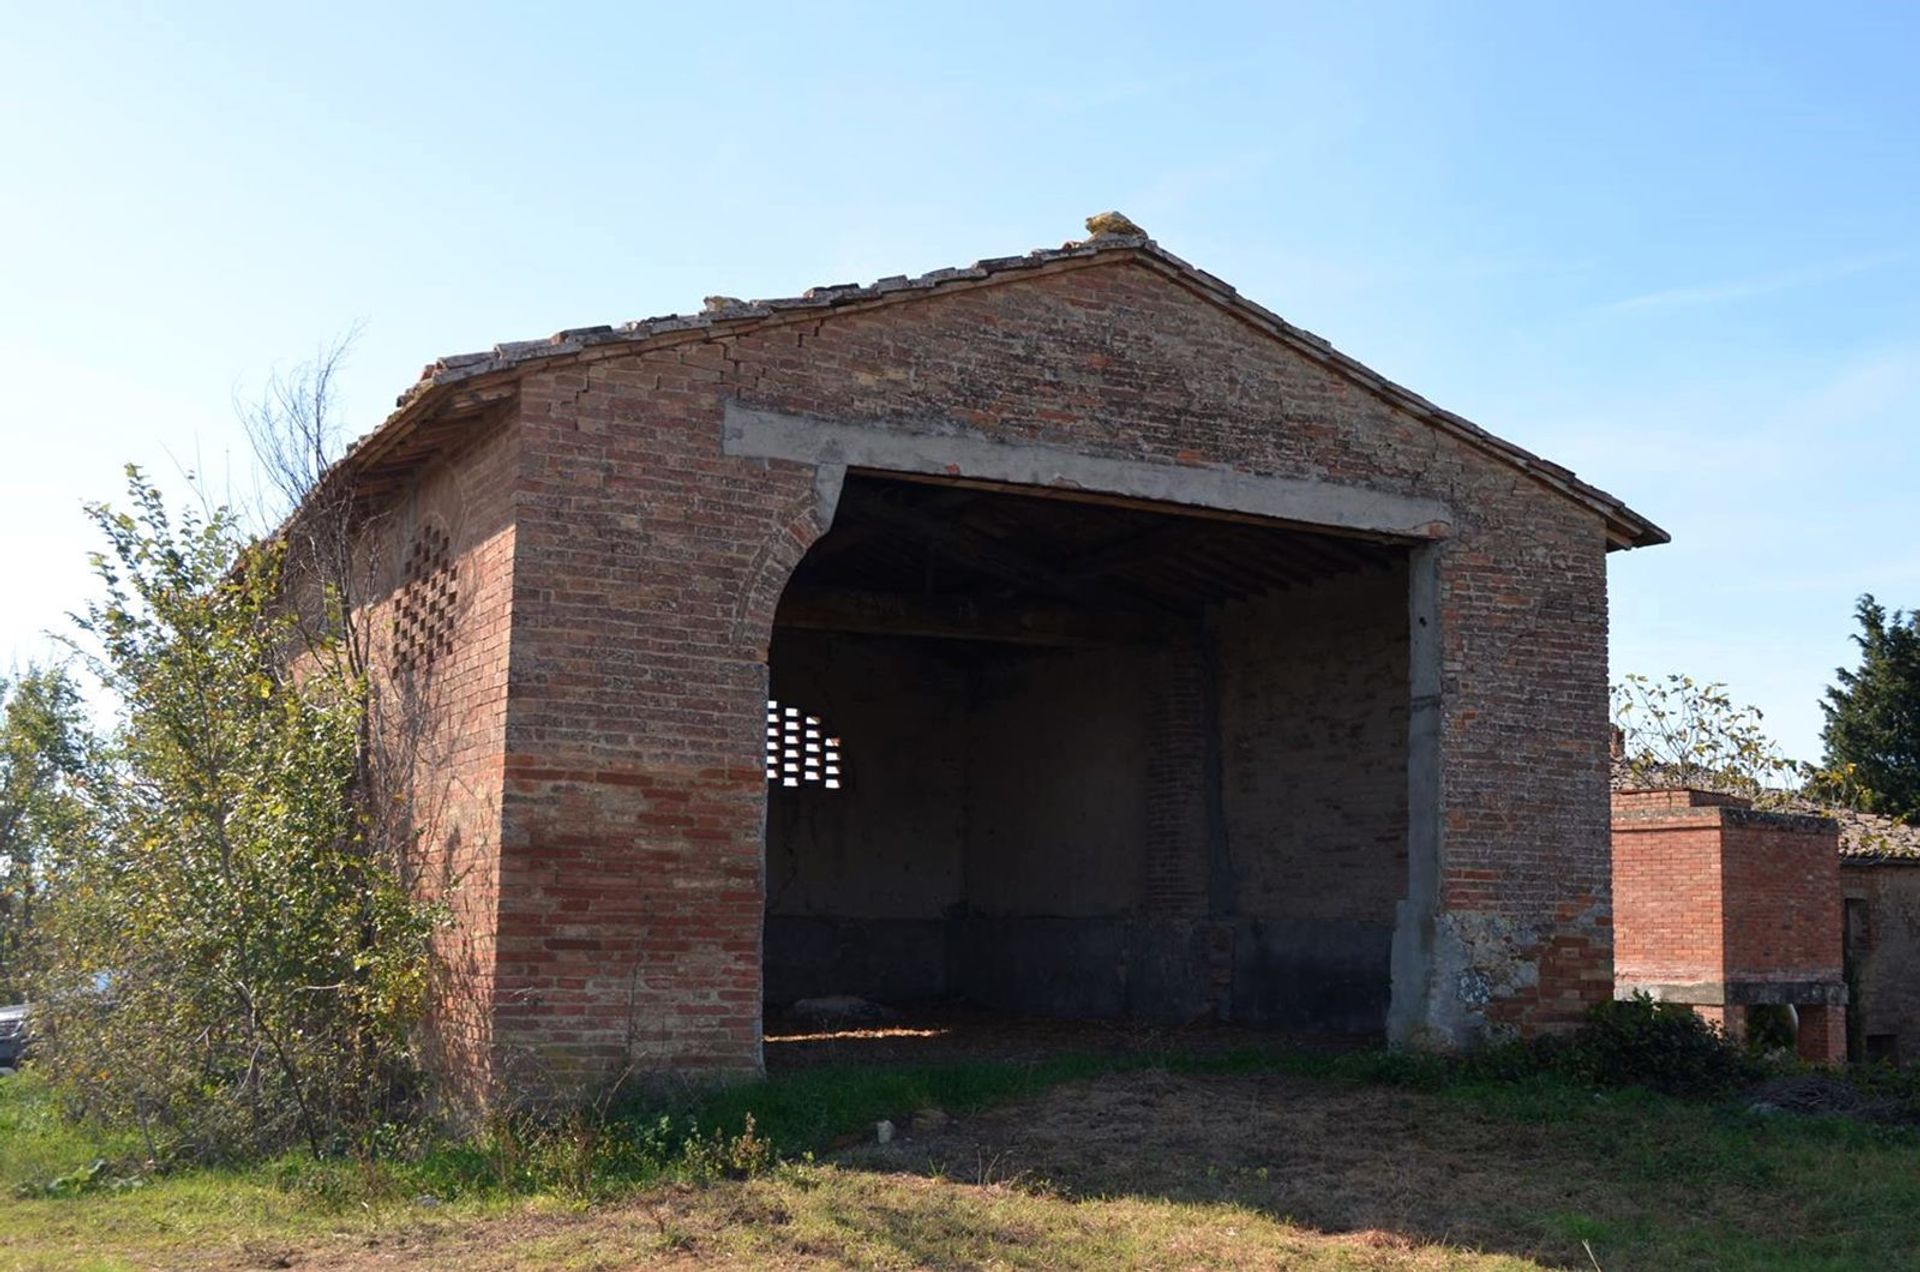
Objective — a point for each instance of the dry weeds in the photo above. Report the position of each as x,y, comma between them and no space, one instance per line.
1150,1169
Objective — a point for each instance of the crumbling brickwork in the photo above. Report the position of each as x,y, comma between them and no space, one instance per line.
647,557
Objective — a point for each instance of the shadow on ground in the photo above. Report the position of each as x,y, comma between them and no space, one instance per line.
1550,1185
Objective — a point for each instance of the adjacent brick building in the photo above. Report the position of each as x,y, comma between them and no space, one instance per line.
1805,905
1880,888
1066,633
1728,909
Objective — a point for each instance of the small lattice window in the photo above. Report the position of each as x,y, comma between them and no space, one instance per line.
423,610
798,750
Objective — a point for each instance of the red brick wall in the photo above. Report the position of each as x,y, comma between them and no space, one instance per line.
453,727
1719,905
1667,927
648,564
1783,900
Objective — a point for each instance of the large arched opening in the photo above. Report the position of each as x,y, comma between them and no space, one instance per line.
1063,756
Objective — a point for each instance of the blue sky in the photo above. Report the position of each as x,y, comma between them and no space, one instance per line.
1674,247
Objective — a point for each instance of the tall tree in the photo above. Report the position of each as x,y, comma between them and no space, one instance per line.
43,747
1678,731
1872,733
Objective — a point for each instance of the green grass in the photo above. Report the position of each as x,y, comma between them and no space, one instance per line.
1528,1169
1690,1184
39,1144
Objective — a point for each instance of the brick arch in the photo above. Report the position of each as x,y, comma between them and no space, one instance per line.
802,522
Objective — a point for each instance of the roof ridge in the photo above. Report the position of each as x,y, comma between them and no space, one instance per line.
720,310
724,314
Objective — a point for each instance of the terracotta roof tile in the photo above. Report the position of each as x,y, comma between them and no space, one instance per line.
1626,528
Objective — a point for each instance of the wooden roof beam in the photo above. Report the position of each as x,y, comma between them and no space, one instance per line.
972,618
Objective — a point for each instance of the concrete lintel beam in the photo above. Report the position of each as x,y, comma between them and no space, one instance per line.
942,450
1818,993
1749,993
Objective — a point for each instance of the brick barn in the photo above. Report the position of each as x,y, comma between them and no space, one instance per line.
1066,634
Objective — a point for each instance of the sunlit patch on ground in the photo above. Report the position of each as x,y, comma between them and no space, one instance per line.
852,1035
963,1033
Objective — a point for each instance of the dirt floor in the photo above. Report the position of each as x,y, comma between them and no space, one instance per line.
938,1035
1336,1159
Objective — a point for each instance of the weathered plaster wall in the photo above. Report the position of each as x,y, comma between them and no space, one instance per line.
1885,955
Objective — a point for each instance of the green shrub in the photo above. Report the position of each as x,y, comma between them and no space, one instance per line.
229,960
1664,1047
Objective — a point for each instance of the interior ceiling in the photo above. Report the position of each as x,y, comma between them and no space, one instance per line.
894,542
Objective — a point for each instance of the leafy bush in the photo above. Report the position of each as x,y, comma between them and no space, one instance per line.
230,960
1664,1047
43,757
719,1155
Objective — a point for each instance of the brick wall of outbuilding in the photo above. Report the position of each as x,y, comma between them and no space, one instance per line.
1783,901
1724,907
1668,927
1885,952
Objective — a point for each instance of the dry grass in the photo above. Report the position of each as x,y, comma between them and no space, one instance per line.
831,1216
834,1217
1143,1168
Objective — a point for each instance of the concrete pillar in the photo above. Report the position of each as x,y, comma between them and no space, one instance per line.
1412,1011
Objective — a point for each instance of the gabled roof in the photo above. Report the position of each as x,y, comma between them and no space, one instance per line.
453,390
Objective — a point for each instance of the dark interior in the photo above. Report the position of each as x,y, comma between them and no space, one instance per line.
1064,757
